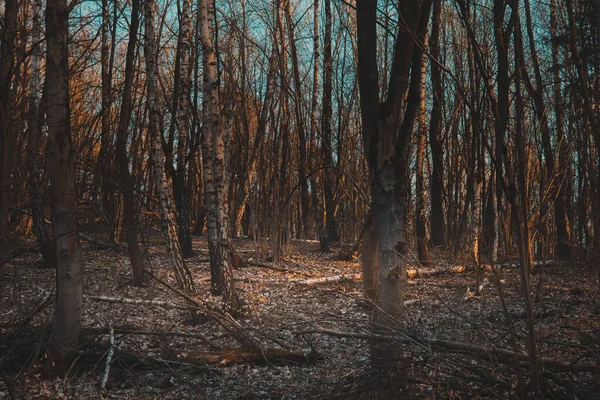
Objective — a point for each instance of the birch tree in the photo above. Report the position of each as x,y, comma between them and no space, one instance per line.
183,114
214,150
169,227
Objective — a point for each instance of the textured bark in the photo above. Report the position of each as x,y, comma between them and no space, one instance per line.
421,218
312,156
169,227
370,262
330,232
299,120
106,155
69,289
386,144
215,145
476,209
7,139
129,220
490,222
34,135
476,166
183,112
438,227
280,221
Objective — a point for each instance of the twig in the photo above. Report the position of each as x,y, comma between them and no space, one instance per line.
225,320
111,351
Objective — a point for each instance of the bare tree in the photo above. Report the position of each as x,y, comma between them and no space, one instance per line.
386,150
69,290
7,134
129,220
214,149
169,227
420,217
438,227
183,113
330,230
35,140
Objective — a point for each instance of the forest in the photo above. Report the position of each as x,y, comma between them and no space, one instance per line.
299,199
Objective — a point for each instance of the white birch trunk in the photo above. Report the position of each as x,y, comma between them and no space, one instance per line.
215,147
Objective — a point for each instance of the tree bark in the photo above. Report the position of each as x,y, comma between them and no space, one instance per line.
129,220
299,119
588,108
183,113
7,139
169,227
421,218
330,231
107,139
386,151
370,262
214,148
312,157
34,138
438,226
563,233
69,289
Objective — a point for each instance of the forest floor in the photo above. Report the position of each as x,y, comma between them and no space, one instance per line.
163,353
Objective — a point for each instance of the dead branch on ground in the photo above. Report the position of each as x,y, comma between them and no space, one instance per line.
459,347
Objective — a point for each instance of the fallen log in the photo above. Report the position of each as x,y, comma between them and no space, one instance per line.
417,272
128,330
136,361
459,347
265,356
111,352
137,302
328,279
268,266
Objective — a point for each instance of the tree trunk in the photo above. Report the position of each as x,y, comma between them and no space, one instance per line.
280,220
169,228
330,231
69,289
370,262
34,137
183,113
299,117
438,227
129,220
259,136
107,139
563,233
312,157
7,139
214,158
588,108
386,135
421,218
